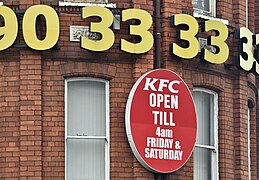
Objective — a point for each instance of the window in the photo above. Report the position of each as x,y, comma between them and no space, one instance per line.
249,142
206,7
87,129
206,148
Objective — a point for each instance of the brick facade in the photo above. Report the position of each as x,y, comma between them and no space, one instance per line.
32,94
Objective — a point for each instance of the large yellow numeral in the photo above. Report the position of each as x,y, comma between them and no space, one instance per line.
188,35
29,27
256,42
246,58
100,27
147,39
10,29
219,41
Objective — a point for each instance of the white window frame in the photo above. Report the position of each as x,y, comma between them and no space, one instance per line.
214,148
211,12
107,130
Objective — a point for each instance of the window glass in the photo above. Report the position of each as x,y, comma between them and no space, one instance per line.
85,159
203,5
86,108
206,7
202,160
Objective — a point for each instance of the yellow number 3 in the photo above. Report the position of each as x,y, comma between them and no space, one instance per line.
100,27
107,40
147,39
188,35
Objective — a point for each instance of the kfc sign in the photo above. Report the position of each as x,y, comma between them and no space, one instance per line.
161,121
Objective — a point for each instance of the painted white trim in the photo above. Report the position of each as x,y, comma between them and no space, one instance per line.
203,16
205,146
86,137
66,115
215,158
107,130
107,144
82,4
215,161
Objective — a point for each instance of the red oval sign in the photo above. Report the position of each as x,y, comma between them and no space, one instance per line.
161,121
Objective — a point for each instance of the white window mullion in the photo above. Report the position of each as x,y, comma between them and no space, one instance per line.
86,137
206,147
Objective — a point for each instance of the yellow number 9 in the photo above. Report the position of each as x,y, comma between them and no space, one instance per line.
10,30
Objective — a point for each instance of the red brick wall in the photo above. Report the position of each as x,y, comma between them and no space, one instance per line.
9,117
256,20
32,96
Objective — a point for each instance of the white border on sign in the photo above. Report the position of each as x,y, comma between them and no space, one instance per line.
128,127
127,124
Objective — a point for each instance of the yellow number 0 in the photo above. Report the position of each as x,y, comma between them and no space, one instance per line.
101,27
10,30
29,27
147,39
189,35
